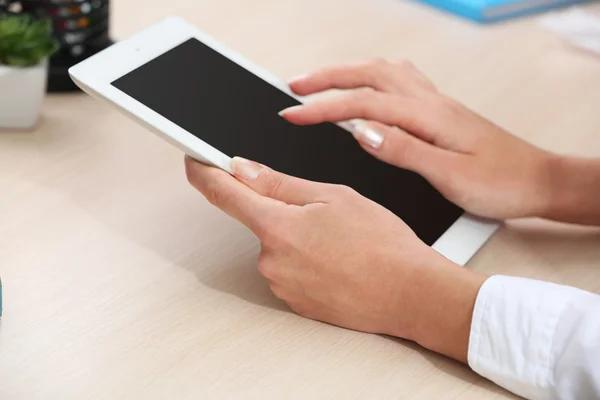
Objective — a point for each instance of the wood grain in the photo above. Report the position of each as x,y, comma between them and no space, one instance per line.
121,282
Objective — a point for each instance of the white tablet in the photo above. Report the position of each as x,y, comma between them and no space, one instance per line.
214,104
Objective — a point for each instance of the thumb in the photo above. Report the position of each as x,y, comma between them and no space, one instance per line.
276,185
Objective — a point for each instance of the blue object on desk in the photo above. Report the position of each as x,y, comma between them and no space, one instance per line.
488,11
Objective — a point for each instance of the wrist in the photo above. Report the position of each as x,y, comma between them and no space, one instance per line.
540,186
441,298
574,190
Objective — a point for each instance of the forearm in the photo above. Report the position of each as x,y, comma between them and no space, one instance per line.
575,190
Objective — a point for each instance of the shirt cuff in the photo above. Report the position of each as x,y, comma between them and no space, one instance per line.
513,327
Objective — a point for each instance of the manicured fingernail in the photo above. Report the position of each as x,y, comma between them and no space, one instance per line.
367,135
289,110
245,169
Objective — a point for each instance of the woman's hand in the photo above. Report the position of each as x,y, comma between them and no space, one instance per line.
335,256
472,162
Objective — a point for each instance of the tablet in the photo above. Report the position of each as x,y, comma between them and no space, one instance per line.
214,104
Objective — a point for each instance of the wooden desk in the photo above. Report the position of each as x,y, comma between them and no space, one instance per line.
121,282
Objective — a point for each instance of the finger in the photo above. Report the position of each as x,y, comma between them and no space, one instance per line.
398,148
231,196
278,186
379,74
407,113
374,74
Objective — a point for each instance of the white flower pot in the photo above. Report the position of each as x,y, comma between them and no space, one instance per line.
22,92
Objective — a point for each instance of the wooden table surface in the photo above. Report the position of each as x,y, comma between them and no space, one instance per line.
121,282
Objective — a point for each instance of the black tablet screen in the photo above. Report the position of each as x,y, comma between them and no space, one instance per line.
235,111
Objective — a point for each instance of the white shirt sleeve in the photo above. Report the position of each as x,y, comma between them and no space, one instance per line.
537,339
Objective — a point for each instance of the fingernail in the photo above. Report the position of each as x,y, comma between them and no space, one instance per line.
282,113
298,78
367,135
245,169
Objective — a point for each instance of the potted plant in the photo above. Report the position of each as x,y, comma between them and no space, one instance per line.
25,45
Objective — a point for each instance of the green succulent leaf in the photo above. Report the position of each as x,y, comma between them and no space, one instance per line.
25,41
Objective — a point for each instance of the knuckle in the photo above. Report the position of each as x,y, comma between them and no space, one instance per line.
361,101
377,63
455,180
409,71
343,191
453,189
450,105
444,106
263,257
267,267
405,65
377,72
441,103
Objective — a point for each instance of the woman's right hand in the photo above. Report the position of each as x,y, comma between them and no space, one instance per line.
471,161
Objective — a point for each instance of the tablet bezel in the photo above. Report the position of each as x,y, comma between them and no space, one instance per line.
96,74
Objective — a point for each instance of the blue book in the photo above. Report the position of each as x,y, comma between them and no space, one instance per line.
488,11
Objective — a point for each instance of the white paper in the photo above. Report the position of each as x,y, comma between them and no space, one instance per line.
579,27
